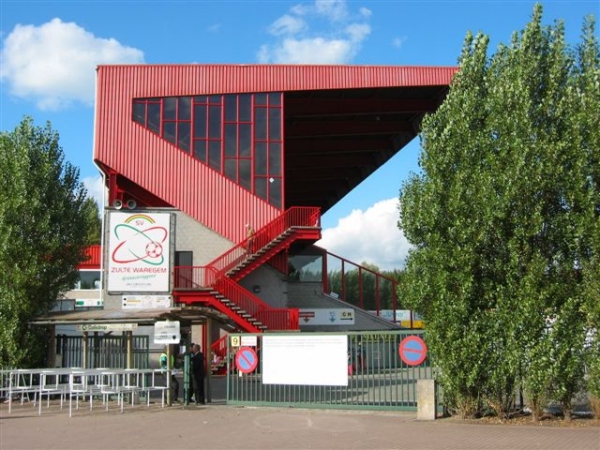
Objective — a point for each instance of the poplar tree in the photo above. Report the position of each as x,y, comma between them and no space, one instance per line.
43,231
504,220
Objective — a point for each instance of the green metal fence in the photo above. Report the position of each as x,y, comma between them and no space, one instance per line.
103,351
377,378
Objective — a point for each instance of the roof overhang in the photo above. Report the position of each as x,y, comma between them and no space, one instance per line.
336,138
190,315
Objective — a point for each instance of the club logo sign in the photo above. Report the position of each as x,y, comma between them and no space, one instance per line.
138,259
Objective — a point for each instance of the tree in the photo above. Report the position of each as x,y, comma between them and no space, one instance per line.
94,226
502,216
43,231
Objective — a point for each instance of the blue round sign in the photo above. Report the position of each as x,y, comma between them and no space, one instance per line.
246,360
413,350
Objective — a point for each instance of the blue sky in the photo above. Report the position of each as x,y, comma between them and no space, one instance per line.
50,49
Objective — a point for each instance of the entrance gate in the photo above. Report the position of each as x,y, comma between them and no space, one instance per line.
377,378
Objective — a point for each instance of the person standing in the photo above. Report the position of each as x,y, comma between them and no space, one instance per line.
197,375
165,367
249,238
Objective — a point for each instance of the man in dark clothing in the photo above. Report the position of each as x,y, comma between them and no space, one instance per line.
197,375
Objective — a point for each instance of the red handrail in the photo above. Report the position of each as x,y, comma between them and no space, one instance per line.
214,275
297,216
272,318
378,283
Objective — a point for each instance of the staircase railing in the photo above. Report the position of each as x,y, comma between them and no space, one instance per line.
214,275
272,318
297,216
360,286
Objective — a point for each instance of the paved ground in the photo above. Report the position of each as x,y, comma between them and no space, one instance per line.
221,427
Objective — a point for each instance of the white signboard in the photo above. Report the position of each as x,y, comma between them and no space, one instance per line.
305,360
106,327
167,332
146,301
249,341
138,252
340,316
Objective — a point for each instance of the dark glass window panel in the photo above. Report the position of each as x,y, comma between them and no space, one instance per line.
275,124
183,136
245,130
216,99
230,140
260,158
185,111
200,121
274,158
139,112
231,169
231,108
169,130
275,192
200,151
275,99
245,108
260,99
154,117
201,99
246,173
214,154
214,122
260,187
260,124
170,112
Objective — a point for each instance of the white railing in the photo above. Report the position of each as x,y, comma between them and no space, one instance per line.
83,384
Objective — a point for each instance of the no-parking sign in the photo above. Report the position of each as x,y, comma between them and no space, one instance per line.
413,350
246,360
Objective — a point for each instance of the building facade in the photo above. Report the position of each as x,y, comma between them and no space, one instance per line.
217,177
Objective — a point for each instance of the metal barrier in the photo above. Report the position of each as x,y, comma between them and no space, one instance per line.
377,377
103,351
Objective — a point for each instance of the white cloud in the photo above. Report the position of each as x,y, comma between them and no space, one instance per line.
370,236
296,43
96,190
333,9
54,64
315,51
365,12
287,25
398,42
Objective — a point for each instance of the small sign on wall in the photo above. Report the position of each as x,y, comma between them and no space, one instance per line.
167,332
146,301
338,316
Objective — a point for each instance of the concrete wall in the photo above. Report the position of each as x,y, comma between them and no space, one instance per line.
202,241
271,285
309,295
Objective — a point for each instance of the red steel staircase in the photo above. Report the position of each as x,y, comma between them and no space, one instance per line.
217,285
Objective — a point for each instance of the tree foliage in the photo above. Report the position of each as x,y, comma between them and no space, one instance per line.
504,219
43,230
91,213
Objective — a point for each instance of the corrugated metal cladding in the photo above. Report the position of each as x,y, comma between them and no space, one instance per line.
196,79
93,254
179,179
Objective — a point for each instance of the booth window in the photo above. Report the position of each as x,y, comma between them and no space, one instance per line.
88,280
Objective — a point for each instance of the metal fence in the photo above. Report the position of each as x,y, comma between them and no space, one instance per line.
377,376
103,351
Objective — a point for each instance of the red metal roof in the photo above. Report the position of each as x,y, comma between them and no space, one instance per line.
201,79
93,258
